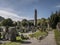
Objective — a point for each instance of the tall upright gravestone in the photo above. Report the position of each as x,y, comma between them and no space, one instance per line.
58,26
12,33
0,34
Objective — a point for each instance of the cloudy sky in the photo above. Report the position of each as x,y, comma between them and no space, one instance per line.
24,9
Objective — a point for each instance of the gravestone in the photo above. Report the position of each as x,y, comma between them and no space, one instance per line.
18,28
0,35
12,33
2,31
58,26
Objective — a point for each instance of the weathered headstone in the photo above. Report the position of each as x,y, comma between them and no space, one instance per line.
58,26
0,35
2,31
12,33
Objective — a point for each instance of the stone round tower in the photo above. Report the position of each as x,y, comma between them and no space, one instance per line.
35,18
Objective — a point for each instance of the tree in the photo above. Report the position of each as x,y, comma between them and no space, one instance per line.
18,23
24,22
39,23
7,22
54,19
31,24
43,24
1,18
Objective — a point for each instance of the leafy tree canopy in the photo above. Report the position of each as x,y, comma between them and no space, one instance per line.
7,22
54,19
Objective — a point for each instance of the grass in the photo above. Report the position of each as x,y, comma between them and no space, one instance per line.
37,34
18,41
57,37
11,43
18,38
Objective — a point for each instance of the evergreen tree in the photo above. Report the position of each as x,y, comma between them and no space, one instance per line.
54,19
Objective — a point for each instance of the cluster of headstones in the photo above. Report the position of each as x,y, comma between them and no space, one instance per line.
25,29
12,32
9,34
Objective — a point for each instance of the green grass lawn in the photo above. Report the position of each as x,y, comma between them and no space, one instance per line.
18,41
13,43
57,37
37,34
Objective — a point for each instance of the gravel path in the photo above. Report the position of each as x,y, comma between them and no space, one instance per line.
49,40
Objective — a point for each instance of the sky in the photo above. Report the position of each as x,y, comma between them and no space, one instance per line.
24,9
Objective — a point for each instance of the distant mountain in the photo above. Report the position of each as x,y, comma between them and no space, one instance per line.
1,18
33,20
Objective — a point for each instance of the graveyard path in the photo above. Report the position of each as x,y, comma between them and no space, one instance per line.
49,40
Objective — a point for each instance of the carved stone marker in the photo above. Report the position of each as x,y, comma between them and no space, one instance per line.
12,33
2,31
58,26
0,35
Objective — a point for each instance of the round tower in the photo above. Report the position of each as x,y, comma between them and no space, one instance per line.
35,18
